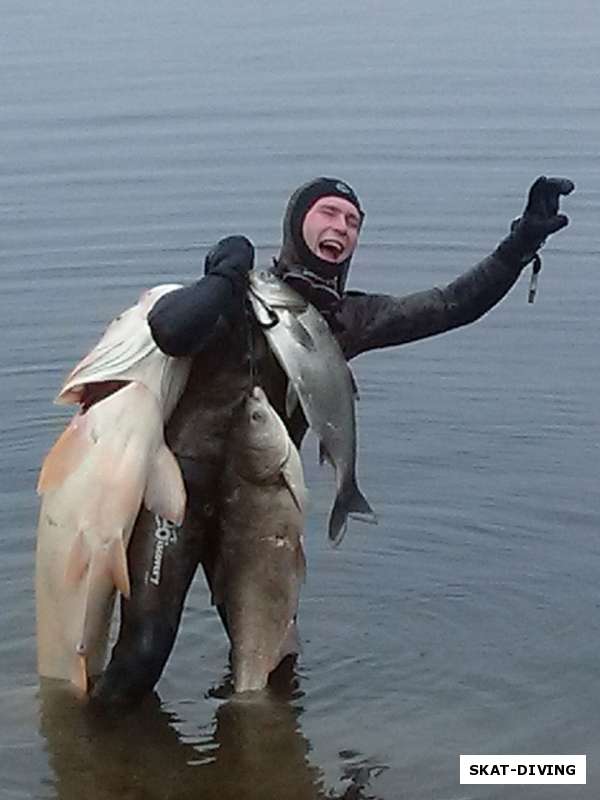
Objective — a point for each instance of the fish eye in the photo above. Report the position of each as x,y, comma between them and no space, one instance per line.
257,416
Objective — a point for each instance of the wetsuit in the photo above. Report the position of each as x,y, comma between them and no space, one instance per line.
210,321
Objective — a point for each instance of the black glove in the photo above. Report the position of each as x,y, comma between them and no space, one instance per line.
540,219
186,321
231,258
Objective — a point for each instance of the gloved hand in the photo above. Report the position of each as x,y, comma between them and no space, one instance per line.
231,258
540,219
186,321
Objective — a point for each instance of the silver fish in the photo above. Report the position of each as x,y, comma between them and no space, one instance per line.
320,379
260,565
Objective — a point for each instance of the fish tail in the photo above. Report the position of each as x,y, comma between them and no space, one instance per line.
79,672
350,501
118,566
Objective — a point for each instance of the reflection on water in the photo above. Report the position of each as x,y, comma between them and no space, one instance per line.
255,750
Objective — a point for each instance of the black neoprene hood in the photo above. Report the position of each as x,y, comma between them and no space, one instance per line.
294,250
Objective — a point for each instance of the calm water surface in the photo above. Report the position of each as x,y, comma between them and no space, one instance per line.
132,136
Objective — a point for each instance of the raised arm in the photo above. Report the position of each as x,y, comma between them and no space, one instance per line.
372,321
187,320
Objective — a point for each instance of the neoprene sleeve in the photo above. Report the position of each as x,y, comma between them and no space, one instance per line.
184,322
371,321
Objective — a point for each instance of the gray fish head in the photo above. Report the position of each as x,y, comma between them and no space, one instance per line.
265,438
272,292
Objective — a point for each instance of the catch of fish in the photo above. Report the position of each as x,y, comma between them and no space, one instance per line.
111,458
260,565
320,380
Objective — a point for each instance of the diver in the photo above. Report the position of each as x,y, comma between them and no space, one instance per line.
208,320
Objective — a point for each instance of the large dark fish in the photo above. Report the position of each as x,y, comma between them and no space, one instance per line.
260,565
320,379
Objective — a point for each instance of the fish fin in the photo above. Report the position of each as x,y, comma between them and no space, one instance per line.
79,676
295,485
299,331
338,524
165,493
291,643
352,502
117,565
370,517
107,570
292,475
78,560
301,563
291,400
354,384
67,453
265,315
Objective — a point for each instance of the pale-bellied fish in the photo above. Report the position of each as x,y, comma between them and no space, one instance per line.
111,458
260,564
320,379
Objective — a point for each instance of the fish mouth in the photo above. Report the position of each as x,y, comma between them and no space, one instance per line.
258,394
331,249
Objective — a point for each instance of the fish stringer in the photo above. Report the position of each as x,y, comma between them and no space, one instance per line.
533,281
251,342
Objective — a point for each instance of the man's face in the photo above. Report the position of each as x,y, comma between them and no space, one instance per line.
330,229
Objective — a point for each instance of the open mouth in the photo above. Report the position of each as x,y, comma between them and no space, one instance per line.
330,249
